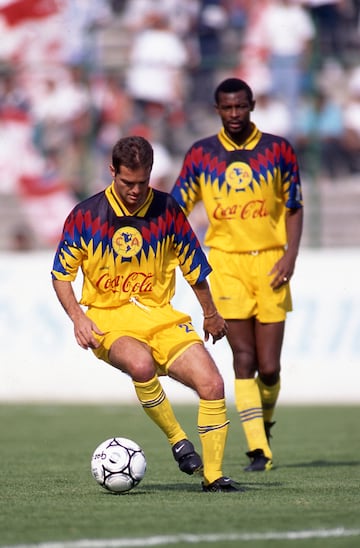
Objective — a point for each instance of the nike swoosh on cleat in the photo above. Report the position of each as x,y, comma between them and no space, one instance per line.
178,449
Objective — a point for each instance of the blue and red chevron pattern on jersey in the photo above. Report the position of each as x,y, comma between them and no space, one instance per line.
125,255
245,189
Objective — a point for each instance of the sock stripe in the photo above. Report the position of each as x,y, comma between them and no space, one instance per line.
205,429
251,414
153,403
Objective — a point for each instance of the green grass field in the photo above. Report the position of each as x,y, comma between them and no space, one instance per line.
49,499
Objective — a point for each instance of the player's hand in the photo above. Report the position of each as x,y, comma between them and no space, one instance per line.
282,271
215,326
84,329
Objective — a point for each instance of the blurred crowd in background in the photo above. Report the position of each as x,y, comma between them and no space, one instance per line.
76,75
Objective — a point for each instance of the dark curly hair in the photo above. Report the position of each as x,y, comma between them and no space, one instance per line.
232,85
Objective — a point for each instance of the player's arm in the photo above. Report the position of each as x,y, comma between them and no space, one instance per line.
284,269
294,225
84,328
214,324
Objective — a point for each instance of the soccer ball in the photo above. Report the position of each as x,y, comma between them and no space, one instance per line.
118,465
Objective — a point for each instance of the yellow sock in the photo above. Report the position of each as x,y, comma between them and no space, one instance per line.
212,427
249,407
156,405
269,396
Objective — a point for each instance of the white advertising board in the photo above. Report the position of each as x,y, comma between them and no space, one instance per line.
40,360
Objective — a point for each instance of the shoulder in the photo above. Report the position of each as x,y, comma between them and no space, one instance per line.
164,199
270,138
201,148
89,205
204,143
278,149
165,206
93,199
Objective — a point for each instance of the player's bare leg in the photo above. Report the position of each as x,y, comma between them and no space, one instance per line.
135,359
269,339
196,369
243,339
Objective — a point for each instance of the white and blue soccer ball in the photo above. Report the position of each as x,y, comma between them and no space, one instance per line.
118,465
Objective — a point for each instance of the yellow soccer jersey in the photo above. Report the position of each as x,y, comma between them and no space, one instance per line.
125,255
245,189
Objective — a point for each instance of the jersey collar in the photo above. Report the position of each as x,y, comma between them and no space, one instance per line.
249,144
120,209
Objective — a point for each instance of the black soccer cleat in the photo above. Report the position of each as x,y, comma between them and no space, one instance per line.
185,455
259,463
221,485
268,426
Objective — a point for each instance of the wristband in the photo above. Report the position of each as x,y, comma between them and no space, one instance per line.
211,315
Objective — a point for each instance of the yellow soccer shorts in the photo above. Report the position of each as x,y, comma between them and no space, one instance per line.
165,330
240,285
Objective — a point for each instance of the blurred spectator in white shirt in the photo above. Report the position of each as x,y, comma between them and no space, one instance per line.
156,78
63,123
282,33
270,114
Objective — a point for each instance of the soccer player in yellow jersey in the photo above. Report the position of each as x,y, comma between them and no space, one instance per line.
250,186
128,241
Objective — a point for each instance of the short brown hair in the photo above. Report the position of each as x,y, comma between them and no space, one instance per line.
132,152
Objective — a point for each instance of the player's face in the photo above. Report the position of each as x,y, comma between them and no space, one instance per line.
132,186
234,110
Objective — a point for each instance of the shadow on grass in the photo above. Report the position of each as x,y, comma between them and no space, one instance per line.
186,487
319,464
156,487
150,490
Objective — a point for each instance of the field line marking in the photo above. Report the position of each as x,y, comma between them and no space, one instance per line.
188,538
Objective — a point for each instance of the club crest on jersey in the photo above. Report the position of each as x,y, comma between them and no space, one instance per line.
127,241
238,176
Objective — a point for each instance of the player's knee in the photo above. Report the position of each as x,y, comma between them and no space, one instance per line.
212,387
270,376
139,369
245,365
218,390
142,371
